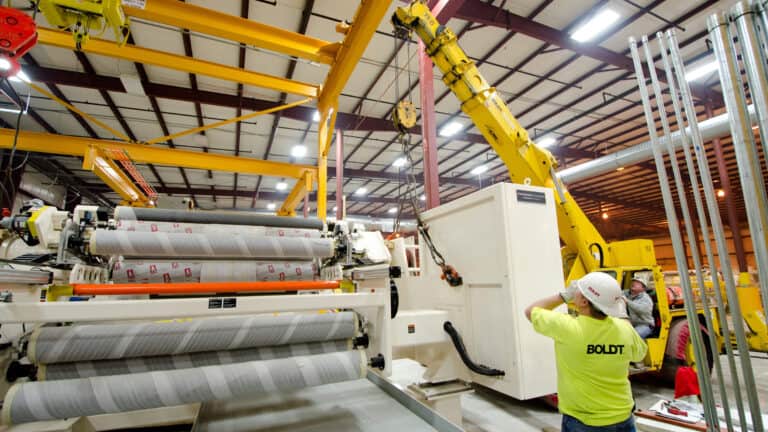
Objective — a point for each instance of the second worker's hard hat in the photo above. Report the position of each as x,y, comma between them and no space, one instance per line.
643,279
604,292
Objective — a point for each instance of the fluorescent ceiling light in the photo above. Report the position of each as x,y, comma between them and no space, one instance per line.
392,210
271,206
361,191
299,151
701,71
281,186
423,197
450,129
547,141
598,24
316,116
479,170
20,77
4,64
335,208
400,162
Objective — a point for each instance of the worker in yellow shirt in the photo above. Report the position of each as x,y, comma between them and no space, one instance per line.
592,352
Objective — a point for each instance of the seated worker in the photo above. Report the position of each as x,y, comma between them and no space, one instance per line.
640,307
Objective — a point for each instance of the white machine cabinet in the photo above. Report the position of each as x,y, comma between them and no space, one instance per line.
504,242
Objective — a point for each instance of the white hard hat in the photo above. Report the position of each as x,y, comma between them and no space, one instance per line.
643,279
604,292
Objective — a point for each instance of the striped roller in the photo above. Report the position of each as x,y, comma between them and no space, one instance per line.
220,245
87,369
35,401
198,228
117,341
135,271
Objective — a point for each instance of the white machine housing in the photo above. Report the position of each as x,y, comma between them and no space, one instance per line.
503,241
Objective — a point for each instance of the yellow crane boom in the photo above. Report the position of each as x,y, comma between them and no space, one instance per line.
584,248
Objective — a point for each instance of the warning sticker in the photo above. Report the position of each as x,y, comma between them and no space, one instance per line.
140,4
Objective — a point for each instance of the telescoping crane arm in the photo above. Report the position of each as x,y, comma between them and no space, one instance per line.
527,163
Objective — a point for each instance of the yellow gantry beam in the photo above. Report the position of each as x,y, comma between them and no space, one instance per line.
111,174
367,18
243,30
178,62
138,153
300,190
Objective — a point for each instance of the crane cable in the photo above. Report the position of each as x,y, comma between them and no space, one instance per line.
449,274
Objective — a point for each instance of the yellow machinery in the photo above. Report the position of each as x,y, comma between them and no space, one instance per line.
584,248
83,16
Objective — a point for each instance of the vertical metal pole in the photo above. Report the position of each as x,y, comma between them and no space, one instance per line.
744,146
339,174
757,77
691,232
730,203
306,206
677,243
428,129
704,227
720,36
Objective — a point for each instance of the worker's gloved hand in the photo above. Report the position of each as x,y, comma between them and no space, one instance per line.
569,291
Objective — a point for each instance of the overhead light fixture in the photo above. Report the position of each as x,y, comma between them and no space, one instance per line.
620,169
423,197
281,186
547,141
271,206
335,208
451,129
392,210
605,215
5,64
479,170
598,24
299,151
316,116
20,77
701,71
720,193
400,162
361,191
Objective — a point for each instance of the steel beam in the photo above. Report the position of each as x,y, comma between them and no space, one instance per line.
111,174
339,173
178,62
239,29
485,13
428,128
300,190
77,146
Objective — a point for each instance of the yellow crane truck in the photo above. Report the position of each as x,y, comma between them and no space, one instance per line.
584,249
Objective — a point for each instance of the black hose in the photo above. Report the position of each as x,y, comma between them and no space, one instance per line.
458,343
600,248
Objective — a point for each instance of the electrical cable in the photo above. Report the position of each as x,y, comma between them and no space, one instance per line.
458,343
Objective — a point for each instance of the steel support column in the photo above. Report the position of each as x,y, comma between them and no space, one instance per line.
339,173
730,204
428,129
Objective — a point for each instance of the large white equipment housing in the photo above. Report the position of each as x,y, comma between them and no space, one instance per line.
503,241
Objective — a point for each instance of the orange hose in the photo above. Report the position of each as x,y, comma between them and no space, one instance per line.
200,287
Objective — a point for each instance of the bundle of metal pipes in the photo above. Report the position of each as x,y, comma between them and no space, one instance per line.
157,246
125,367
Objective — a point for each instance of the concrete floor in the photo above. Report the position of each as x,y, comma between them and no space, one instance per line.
488,411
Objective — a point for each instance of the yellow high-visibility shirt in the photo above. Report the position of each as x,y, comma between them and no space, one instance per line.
592,358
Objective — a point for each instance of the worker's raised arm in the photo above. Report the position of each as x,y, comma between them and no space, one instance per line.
548,303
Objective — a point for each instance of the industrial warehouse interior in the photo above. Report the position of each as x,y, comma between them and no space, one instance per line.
383,215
